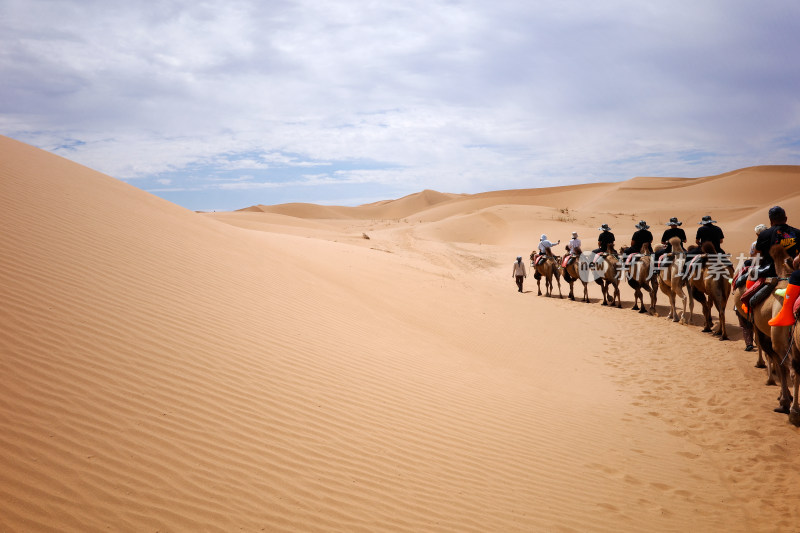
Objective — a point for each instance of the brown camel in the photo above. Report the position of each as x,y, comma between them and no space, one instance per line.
640,276
608,263
709,283
794,411
572,274
549,270
736,297
776,340
670,279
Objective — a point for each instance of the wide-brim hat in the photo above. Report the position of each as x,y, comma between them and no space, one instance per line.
642,225
674,222
574,233
604,227
707,220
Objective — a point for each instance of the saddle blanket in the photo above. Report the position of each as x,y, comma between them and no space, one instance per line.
751,291
631,258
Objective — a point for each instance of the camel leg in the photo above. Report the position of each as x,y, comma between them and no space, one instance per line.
772,371
585,292
683,298
794,412
653,297
558,282
707,316
690,300
723,326
539,286
571,295
785,398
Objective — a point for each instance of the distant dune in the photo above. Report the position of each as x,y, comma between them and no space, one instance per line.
270,369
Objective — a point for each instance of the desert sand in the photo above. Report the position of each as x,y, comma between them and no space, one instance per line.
271,369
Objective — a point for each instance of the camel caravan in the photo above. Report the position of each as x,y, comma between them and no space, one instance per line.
763,288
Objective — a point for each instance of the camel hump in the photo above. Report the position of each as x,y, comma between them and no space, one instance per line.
708,248
675,242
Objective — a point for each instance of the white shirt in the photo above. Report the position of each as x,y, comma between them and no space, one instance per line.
519,269
544,245
573,244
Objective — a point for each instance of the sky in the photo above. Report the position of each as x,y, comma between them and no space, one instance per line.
220,105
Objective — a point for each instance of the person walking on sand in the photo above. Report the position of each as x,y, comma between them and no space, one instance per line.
519,272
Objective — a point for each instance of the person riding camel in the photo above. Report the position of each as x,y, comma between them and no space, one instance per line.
708,232
639,239
673,231
574,246
780,232
545,246
605,239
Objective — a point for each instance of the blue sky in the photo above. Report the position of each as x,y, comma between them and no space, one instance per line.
226,104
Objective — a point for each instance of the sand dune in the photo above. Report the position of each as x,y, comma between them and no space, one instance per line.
272,370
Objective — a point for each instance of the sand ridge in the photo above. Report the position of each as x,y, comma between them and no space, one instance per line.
274,370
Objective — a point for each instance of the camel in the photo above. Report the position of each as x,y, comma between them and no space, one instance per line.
547,269
608,263
709,284
640,276
736,297
572,274
794,411
670,279
776,340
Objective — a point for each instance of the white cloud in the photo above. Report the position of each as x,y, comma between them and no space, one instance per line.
453,95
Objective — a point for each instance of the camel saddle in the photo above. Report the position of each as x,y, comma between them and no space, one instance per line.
631,258
538,259
568,260
759,292
740,277
664,261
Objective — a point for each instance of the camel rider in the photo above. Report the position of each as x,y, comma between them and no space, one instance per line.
673,231
574,245
708,232
545,245
780,232
640,238
605,239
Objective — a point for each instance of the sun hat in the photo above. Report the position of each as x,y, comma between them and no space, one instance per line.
707,220
760,228
642,225
674,222
604,227
575,234
543,237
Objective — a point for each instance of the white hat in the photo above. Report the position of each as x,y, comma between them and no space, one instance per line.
575,234
760,228
543,237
